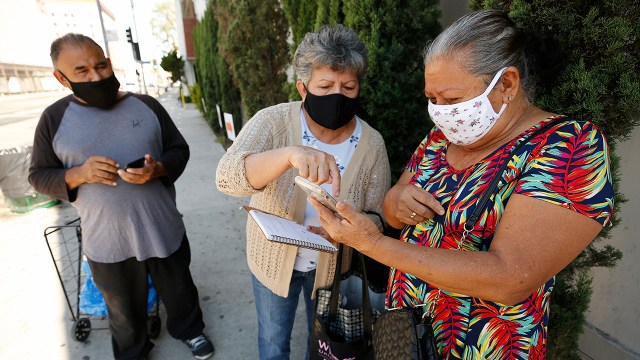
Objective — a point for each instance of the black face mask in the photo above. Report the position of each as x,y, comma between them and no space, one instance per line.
331,111
102,93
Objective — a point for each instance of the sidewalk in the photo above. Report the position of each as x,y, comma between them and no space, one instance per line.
35,320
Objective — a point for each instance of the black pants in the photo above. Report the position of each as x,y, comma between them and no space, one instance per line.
124,286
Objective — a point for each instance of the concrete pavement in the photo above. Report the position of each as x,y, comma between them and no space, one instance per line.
35,320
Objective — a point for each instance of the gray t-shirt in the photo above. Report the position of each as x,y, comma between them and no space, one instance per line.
126,220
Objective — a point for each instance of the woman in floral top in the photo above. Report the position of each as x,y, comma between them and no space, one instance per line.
490,292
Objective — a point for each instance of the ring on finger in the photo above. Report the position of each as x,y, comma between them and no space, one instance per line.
413,215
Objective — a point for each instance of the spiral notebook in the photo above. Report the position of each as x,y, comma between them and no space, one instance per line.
285,231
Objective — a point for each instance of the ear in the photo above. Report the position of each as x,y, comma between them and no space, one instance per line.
509,85
301,89
61,79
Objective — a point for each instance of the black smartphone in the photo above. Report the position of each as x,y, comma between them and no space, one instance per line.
135,164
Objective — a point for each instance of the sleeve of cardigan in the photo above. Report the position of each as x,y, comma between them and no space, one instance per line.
379,180
256,136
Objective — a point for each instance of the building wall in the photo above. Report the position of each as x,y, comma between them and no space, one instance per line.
27,28
18,23
452,10
200,6
16,78
613,319
185,10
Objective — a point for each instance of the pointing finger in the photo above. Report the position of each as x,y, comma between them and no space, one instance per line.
334,173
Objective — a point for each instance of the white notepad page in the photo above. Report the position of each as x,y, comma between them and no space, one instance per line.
273,227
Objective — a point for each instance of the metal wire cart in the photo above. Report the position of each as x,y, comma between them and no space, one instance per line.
65,246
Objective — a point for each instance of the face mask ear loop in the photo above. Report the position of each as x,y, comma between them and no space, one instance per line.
491,86
63,75
494,81
504,106
305,88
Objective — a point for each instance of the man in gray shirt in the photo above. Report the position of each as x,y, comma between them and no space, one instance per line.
130,224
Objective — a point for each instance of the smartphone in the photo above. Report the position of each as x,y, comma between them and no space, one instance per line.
317,192
135,164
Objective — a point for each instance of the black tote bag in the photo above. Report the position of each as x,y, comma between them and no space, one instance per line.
340,333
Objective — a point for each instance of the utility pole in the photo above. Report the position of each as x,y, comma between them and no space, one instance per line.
135,27
104,32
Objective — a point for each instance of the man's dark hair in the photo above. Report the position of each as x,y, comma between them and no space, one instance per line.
69,39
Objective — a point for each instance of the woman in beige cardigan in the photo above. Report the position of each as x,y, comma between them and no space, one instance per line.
322,140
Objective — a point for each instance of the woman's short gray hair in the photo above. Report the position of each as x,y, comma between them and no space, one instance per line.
486,41
334,46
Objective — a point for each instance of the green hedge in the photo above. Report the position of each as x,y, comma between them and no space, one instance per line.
213,72
393,101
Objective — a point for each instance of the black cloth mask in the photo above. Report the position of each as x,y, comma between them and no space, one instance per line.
102,94
331,111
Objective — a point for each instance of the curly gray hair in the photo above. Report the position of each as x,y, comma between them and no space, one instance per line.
334,46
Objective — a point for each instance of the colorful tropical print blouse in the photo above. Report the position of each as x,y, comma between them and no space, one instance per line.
567,165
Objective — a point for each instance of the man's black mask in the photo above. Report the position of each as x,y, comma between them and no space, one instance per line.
102,93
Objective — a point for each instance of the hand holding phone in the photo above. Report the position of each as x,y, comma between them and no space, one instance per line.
135,164
317,192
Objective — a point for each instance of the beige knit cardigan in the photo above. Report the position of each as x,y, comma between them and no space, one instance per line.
364,184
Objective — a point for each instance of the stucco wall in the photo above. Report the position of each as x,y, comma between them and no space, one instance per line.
452,10
614,313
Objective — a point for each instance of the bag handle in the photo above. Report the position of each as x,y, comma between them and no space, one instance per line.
335,291
475,216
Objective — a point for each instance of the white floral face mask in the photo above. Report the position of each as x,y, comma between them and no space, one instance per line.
466,122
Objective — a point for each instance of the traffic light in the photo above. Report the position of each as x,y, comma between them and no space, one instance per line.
129,37
136,51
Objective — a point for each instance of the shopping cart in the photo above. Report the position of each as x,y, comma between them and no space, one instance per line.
65,246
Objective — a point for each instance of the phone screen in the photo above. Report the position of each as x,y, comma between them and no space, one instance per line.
135,164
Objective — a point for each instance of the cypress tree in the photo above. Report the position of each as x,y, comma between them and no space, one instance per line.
306,16
329,12
392,97
254,43
213,72
601,84
301,15
204,43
